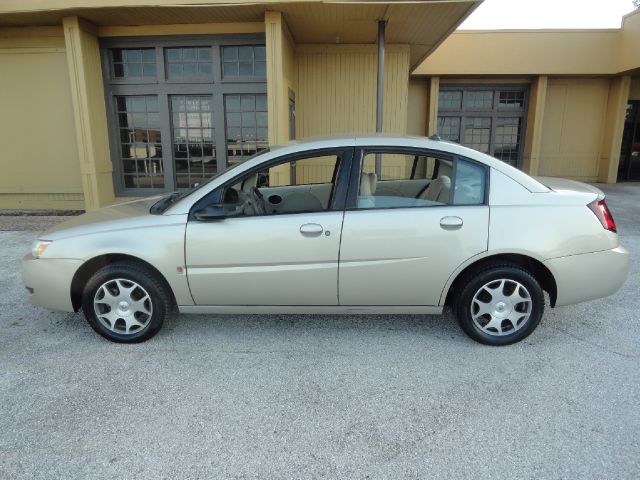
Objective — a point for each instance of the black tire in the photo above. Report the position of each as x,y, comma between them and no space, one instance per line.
465,307
159,298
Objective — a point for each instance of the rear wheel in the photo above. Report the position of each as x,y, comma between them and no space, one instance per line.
126,303
499,306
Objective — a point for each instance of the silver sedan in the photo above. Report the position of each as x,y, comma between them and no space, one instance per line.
370,225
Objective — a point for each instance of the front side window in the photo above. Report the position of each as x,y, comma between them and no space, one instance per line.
395,180
295,186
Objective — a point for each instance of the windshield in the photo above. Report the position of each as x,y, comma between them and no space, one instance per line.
165,202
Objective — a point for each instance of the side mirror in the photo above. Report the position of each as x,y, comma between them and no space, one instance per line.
211,212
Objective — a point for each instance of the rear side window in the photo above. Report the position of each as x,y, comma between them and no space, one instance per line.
398,179
470,183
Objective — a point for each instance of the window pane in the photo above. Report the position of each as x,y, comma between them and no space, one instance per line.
507,139
140,151
183,63
133,63
194,151
278,188
404,180
244,137
478,100
246,60
450,100
449,128
511,100
477,133
470,183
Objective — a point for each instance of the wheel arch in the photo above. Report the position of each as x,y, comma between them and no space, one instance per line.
92,265
540,272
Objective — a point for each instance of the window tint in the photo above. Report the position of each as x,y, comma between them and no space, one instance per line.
408,180
303,185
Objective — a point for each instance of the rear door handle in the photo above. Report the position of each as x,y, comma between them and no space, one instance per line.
451,223
311,229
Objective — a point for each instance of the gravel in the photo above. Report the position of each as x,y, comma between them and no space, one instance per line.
286,396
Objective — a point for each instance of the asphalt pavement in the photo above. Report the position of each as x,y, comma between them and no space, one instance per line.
335,397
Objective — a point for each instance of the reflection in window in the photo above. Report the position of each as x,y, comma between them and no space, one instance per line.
449,128
450,100
140,141
511,99
188,62
246,125
477,133
193,145
133,63
244,61
478,100
507,139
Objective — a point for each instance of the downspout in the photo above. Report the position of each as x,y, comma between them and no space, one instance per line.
380,87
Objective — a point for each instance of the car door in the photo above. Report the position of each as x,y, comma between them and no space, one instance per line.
272,256
400,250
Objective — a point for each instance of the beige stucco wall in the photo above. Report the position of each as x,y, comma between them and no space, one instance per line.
629,56
417,106
39,161
572,128
337,89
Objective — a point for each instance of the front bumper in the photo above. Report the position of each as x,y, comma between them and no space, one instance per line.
590,275
48,281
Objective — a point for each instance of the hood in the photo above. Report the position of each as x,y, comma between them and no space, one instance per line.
562,185
123,215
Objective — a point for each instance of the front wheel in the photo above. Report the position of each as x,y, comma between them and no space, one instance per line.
126,303
499,306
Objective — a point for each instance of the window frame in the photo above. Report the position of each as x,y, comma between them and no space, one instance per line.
163,88
356,171
494,114
339,190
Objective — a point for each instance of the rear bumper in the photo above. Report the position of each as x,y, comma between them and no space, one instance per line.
590,275
48,281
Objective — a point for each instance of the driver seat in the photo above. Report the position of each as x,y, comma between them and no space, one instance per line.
249,183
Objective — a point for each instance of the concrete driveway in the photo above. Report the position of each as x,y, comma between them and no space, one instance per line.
322,396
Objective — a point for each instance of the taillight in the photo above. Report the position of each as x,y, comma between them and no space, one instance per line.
600,209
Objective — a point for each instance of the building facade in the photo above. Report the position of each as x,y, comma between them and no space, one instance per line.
111,100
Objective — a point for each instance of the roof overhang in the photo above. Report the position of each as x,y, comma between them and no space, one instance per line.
421,24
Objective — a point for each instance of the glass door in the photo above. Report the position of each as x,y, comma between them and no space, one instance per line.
629,166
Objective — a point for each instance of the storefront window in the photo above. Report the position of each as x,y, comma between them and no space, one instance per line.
181,110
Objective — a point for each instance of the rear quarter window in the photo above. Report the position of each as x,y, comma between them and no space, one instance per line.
470,184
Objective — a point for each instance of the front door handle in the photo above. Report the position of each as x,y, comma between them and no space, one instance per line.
311,229
451,223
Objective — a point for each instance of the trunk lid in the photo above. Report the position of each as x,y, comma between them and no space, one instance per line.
562,185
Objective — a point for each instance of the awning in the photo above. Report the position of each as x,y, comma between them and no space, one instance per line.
422,24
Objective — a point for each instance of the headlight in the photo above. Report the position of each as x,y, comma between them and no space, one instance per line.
39,246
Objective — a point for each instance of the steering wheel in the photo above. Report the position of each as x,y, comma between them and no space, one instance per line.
258,201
